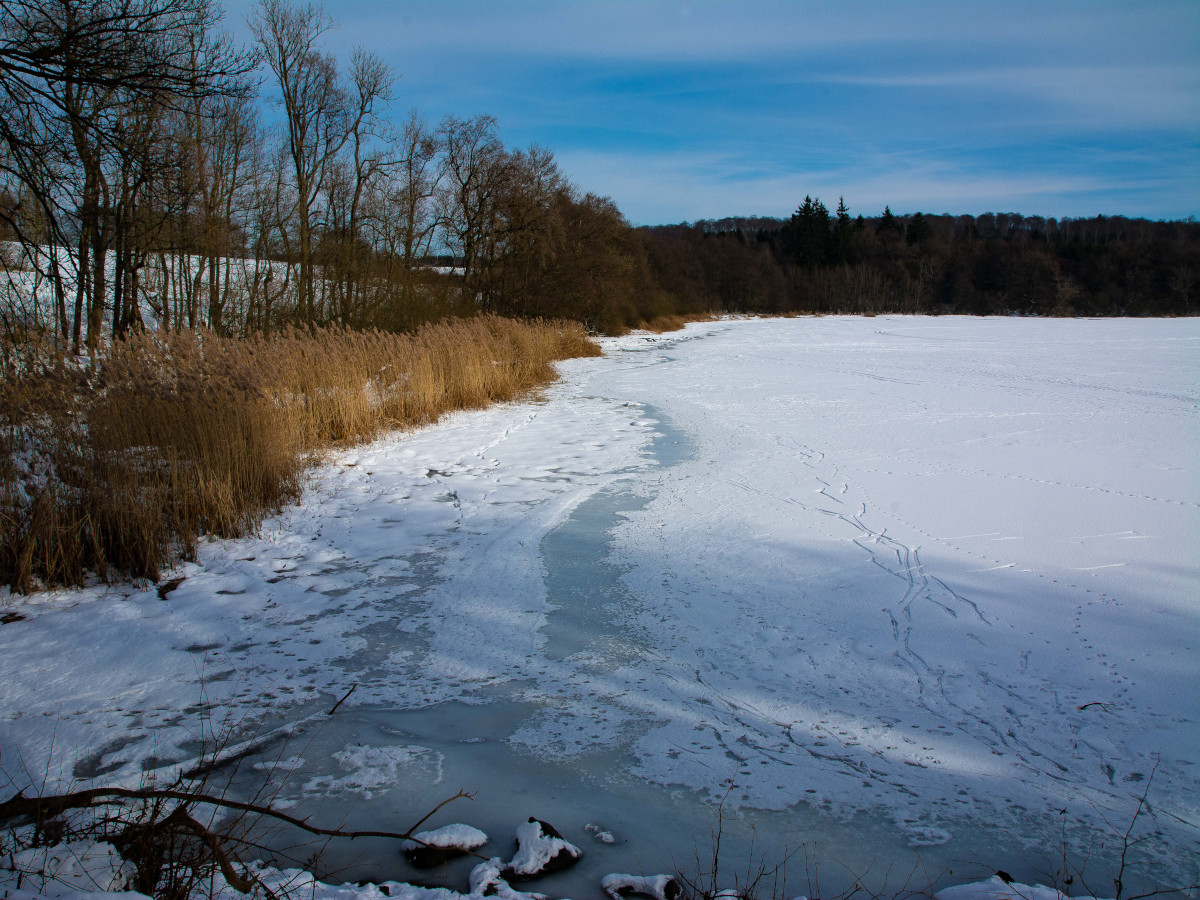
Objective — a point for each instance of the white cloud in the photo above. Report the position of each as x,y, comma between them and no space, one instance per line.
652,189
1148,96
1068,108
726,30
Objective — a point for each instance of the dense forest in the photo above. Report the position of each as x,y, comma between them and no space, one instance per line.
995,263
153,174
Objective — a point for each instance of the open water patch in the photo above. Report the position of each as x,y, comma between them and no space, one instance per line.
583,582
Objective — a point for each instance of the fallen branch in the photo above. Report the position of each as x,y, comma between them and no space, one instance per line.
42,809
216,847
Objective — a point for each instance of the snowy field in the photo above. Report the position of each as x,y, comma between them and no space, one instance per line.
905,591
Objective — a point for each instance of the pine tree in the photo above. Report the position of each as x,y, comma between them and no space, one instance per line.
842,228
806,237
918,229
888,226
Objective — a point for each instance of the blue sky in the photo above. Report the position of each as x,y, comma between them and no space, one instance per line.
688,110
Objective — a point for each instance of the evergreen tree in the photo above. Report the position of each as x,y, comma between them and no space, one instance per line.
842,230
888,226
919,229
806,238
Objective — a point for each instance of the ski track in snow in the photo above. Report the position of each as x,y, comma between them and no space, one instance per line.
939,568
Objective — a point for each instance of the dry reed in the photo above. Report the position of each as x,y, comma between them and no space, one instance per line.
673,321
121,465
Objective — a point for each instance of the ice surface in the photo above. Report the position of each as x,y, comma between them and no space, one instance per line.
881,584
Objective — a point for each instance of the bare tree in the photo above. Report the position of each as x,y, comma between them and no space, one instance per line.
420,177
474,162
408,220
370,86
73,75
321,114
220,140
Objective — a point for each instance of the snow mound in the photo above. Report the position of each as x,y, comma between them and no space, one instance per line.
601,834
462,837
432,848
540,851
660,887
487,880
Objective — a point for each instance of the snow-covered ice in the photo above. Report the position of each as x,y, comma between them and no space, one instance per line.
880,583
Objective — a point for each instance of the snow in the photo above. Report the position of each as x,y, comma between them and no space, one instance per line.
656,886
997,889
461,836
372,769
26,294
893,583
486,880
66,870
599,833
536,850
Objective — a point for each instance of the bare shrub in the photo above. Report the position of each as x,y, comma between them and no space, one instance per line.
168,842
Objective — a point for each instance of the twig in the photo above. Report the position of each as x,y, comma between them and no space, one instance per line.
460,795
343,700
1119,882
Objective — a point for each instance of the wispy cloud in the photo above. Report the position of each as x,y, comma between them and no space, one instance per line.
690,186
723,30
681,110
1148,96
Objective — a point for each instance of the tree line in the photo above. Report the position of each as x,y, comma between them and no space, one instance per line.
144,182
991,264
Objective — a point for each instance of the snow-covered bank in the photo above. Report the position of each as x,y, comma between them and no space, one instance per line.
903,582
76,881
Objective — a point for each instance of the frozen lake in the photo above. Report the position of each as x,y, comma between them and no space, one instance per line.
906,592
